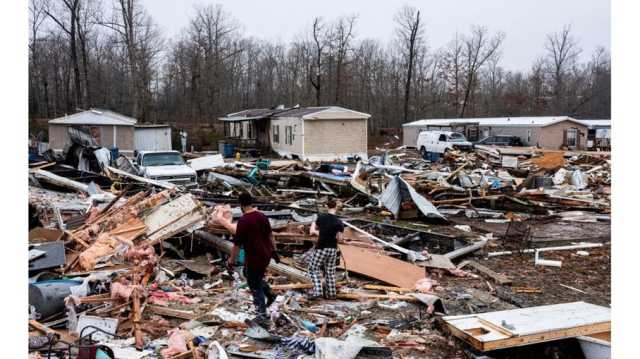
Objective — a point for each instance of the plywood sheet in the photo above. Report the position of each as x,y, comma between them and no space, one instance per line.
523,326
374,264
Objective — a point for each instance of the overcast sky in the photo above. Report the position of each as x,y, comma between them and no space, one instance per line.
525,22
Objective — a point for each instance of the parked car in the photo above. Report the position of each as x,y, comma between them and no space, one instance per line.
501,141
441,141
165,166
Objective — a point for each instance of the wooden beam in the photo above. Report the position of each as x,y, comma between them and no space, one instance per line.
174,313
497,277
361,296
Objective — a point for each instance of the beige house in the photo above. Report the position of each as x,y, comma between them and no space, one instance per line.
313,133
548,132
110,129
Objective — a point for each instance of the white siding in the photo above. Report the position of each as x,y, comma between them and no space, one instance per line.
152,138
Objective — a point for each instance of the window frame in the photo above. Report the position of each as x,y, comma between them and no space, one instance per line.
275,130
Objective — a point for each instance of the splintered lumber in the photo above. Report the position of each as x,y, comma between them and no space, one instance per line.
98,298
136,313
497,277
174,313
280,268
387,288
525,326
373,264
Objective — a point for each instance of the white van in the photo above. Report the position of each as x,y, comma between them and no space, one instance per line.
441,142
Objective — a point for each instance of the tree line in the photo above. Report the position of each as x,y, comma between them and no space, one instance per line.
111,54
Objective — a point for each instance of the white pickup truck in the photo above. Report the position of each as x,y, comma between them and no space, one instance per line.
165,166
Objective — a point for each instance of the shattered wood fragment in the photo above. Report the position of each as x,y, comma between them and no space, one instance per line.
174,313
387,288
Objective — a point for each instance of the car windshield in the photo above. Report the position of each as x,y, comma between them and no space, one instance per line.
456,137
162,159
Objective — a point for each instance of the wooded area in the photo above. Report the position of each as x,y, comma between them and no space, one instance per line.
110,54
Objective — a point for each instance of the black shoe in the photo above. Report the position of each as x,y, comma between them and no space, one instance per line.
270,299
263,321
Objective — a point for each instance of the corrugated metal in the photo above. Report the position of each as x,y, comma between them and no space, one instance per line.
391,199
152,138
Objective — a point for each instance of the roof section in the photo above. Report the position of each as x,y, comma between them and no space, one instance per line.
307,113
541,121
323,112
599,123
95,117
251,114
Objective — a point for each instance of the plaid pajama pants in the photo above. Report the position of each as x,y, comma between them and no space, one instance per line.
324,259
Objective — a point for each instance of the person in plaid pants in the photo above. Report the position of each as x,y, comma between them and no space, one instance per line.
329,228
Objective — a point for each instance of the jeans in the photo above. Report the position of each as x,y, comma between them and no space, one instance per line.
259,288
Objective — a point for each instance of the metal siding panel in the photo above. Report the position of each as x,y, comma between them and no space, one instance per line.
152,139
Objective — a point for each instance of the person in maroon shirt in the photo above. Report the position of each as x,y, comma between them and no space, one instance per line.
253,233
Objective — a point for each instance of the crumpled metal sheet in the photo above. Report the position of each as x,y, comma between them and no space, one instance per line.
232,181
391,198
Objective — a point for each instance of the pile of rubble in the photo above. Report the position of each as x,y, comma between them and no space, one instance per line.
127,267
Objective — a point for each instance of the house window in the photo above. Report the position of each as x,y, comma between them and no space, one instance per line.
240,129
572,137
276,133
288,135
528,137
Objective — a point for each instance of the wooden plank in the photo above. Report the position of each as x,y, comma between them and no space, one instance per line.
381,267
497,277
549,336
364,296
168,312
46,330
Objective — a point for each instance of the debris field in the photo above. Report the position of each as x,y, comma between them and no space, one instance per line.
440,258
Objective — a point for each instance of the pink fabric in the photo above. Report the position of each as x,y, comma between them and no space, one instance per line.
177,344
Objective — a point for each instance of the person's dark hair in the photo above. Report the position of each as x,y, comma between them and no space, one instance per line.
331,203
245,199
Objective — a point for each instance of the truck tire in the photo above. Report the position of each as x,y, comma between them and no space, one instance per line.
423,153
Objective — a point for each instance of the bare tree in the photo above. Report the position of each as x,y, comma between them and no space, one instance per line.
562,52
410,33
477,49
65,14
319,42
342,35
